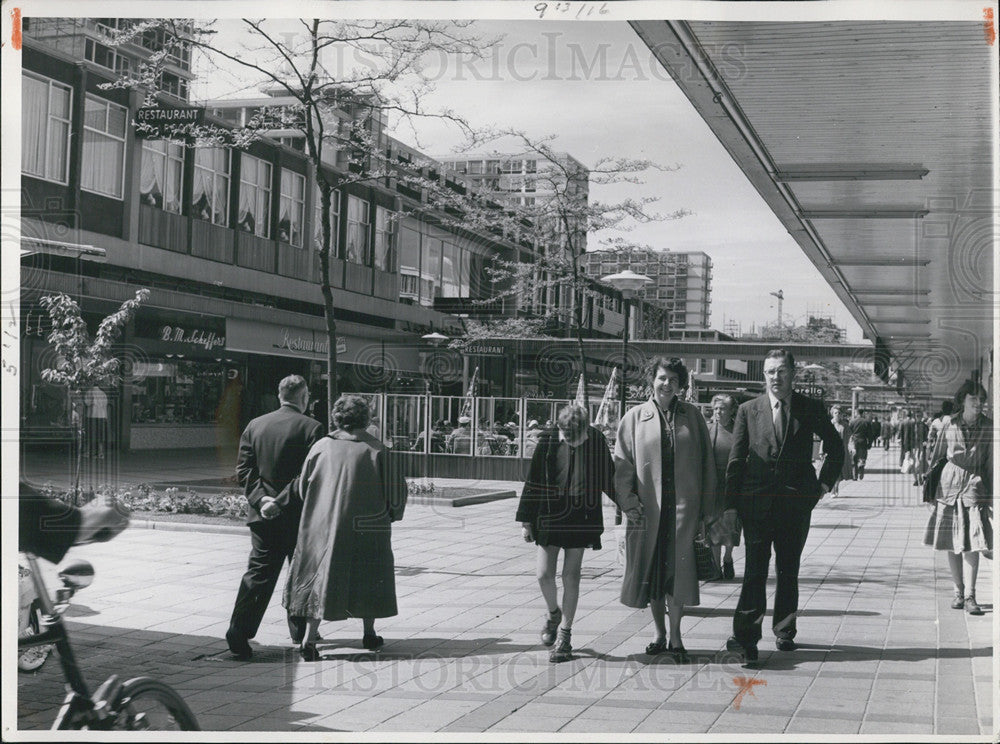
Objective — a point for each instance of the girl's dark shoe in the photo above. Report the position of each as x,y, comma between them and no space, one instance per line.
728,572
972,607
372,642
563,650
679,653
309,652
957,601
657,647
548,634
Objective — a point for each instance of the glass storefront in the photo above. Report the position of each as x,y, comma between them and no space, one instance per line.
169,391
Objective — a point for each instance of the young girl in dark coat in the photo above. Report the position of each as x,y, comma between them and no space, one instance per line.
560,509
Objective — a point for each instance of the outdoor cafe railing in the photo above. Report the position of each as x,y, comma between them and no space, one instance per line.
496,427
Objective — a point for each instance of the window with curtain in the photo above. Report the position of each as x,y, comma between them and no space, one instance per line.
450,266
334,223
464,281
430,271
161,177
358,222
210,195
45,126
103,147
409,263
255,196
385,258
291,210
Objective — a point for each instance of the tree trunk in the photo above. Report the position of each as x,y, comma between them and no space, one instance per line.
326,193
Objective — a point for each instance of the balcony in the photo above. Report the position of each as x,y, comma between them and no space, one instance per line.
254,252
211,241
162,229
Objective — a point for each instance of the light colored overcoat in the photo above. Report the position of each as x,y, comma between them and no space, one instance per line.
638,479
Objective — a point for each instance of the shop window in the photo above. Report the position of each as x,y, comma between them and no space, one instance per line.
103,147
45,122
162,174
255,196
178,391
385,259
210,197
334,223
292,207
358,223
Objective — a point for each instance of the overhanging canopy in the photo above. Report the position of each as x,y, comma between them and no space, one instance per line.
872,143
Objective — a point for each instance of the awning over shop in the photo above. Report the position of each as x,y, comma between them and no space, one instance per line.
872,142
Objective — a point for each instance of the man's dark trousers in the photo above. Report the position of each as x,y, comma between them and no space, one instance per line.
272,450
786,530
272,543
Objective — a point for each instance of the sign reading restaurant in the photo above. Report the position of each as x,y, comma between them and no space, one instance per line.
485,349
151,121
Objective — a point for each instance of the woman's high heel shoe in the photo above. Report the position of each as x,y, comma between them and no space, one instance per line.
309,652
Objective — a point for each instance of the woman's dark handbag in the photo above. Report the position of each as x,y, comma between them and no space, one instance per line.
932,480
708,568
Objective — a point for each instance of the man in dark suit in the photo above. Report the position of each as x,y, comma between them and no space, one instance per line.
272,450
771,484
859,433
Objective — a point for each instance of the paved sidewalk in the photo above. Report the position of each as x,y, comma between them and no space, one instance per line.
881,650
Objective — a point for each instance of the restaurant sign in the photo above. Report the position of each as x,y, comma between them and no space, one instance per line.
283,340
485,349
158,121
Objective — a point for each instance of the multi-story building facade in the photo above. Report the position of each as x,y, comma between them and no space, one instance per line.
682,281
224,239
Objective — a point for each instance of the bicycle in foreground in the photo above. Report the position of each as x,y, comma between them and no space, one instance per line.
139,704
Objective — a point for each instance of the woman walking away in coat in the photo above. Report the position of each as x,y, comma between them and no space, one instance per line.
560,509
961,522
720,433
351,493
665,470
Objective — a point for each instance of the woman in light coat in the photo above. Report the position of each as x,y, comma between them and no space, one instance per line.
665,481
351,493
961,523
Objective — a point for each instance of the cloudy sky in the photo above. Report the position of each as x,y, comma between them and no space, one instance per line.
597,87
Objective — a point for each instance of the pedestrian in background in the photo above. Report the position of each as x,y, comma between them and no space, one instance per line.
665,482
859,432
272,449
351,493
720,432
838,417
771,485
961,522
560,509
96,417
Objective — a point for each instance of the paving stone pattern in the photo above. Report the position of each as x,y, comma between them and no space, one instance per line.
881,650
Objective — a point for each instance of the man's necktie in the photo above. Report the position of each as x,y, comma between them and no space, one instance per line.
779,421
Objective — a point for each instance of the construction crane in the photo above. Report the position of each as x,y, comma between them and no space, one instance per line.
781,296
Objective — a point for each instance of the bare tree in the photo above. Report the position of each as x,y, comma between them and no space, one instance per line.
555,225
348,81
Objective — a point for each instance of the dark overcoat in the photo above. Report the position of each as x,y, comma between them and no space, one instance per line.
343,564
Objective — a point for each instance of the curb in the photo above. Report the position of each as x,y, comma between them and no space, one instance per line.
479,498
225,529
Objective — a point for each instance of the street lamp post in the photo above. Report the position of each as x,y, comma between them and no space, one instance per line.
436,340
854,399
628,283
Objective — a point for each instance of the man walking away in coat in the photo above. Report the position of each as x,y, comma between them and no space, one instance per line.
272,450
859,431
771,484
